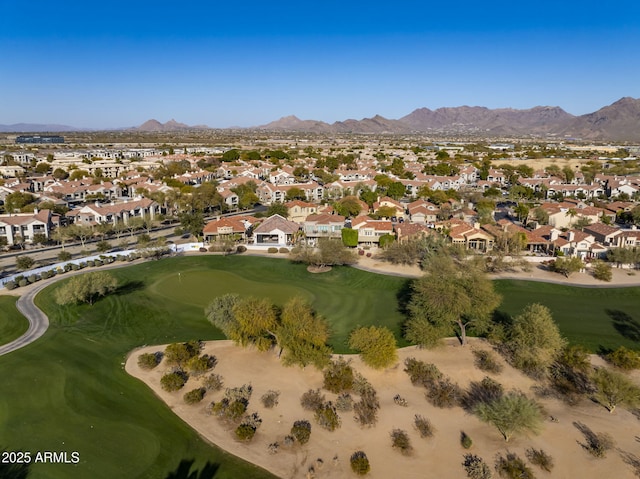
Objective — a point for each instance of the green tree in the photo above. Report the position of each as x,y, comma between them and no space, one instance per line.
348,206
295,193
231,155
256,322
512,413
349,237
614,388
86,288
220,313
24,263
534,339
179,354
277,209
191,221
302,335
329,252
396,190
15,202
602,270
376,344
567,266
447,297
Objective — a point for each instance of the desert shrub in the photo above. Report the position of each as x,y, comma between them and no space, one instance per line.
284,250
465,440
301,430
624,358
486,390
194,396
539,458
149,360
180,353
32,278
361,385
344,402
366,410
487,361
91,263
45,274
202,249
232,410
360,463
272,250
312,400
400,441
270,399
338,376
512,467
400,401
173,381
10,285
213,382
242,393
421,373
289,440
23,282
444,394
198,365
475,467
273,447
596,444
245,432
241,249
64,256
602,270
423,425
327,417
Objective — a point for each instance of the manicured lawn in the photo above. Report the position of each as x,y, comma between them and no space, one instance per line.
598,318
68,391
12,323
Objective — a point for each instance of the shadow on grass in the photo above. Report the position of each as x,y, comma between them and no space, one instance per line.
404,296
625,324
130,287
184,471
11,470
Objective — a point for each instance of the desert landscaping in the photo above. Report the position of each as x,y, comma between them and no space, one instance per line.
326,454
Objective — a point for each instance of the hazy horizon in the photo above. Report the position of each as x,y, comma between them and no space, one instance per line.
222,65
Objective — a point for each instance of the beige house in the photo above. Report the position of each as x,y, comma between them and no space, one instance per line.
22,227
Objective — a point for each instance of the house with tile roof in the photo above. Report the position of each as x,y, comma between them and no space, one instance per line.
324,225
370,231
22,227
275,231
228,227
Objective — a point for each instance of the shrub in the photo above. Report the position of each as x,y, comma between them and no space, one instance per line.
272,250
360,463
284,250
213,382
444,394
270,399
45,274
23,282
312,400
624,358
338,376
512,467
10,285
421,373
245,432
289,440
194,396
476,467
198,365
539,458
487,361
400,401
149,360
273,447
465,440
327,417
344,402
242,393
485,391
228,409
366,409
91,263
180,353
32,278
173,381
423,425
400,440
64,256
602,270
74,266
596,444
301,430
241,249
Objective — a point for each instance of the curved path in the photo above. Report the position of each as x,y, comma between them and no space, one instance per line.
39,323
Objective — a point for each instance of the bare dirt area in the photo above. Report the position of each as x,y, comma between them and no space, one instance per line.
440,456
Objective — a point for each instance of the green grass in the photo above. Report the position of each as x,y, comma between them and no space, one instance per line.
68,391
598,318
12,323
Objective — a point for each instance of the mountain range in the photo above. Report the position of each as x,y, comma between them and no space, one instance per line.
619,121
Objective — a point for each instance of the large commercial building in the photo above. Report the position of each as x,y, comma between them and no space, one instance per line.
40,139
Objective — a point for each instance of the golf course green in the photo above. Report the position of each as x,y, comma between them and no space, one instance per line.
68,391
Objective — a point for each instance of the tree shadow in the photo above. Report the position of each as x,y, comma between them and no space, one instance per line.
625,324
403,296
183,471
130,287
13,470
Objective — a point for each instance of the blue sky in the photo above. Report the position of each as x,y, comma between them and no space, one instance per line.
114,64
